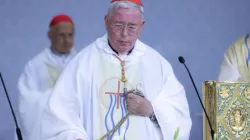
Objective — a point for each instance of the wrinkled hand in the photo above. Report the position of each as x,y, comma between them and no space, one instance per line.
139,105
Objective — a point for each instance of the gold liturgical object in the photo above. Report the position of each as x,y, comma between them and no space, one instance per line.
228,108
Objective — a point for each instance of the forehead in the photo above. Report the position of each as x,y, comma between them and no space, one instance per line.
126,15
64,27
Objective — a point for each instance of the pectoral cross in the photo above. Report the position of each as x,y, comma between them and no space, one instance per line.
117,94
123,79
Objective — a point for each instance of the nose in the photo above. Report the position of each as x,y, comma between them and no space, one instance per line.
67,39
125,31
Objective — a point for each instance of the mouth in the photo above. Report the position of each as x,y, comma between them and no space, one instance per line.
123,42
67,46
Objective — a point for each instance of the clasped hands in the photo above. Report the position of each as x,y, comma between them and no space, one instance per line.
139,105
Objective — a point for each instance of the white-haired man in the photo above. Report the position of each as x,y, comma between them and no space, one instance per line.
118,88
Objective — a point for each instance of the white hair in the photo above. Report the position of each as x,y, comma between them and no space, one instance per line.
123,4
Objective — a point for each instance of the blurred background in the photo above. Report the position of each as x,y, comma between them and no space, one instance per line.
200,31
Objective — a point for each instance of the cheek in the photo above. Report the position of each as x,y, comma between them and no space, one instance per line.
113,38
71,40
133,39
59,40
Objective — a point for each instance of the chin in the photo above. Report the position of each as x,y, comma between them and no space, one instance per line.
65,51
125,48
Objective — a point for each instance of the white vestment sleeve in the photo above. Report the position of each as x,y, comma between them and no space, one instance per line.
62,118
31,101
228,71
171,106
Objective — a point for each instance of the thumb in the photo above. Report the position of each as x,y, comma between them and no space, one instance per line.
131,95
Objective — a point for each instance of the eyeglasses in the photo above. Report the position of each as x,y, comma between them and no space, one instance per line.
131,28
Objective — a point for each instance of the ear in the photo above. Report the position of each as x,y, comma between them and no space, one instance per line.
106,21
142,24
49,34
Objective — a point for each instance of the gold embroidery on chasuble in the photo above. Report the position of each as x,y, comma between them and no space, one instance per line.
53,75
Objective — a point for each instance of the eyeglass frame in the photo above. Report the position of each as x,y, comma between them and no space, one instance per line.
127,27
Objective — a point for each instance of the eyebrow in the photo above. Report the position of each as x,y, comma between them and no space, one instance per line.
118,22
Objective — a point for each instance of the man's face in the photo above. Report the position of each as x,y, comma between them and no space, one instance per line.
123,28
62,37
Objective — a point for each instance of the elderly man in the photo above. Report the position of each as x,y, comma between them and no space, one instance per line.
235,65
40,74
118,88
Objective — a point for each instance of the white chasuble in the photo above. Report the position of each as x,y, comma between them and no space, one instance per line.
236,62
87,100
113,104
35,85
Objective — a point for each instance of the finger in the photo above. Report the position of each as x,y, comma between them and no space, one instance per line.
132,105
131,96
132,101
131,108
